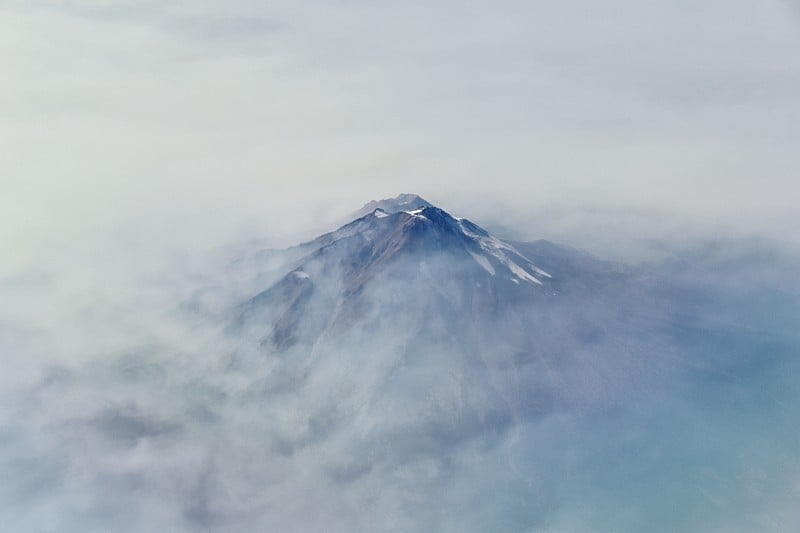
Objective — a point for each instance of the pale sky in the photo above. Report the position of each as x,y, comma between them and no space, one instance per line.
198,119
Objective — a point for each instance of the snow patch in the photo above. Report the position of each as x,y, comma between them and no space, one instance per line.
521,273
299,274
483,262
502,252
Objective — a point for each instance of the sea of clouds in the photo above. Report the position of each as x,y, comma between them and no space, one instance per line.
126,405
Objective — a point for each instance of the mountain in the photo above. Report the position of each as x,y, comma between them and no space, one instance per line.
378,261
409,305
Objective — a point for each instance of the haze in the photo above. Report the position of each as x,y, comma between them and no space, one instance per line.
221,120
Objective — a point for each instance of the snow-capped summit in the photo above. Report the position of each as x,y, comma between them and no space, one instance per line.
404,254
392,231
402,202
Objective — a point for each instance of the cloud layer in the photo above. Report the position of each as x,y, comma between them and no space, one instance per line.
657,398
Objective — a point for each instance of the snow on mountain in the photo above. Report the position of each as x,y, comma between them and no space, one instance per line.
402,202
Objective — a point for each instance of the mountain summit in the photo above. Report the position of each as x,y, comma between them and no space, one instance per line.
422,262
402,202
409,226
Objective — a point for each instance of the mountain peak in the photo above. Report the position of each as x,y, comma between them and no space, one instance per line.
401,250
402,202
410,228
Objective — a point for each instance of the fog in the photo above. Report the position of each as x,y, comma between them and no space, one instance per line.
657,396
216,121
156,154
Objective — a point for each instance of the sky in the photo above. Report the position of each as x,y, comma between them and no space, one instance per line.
245,118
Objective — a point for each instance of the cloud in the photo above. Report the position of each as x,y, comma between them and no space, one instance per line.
670,384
